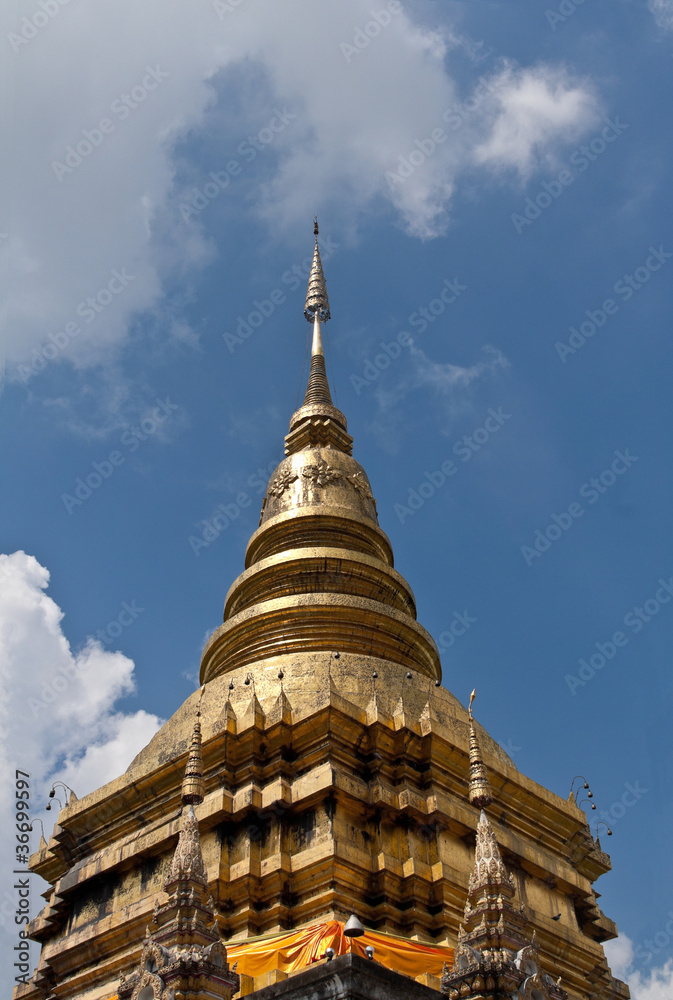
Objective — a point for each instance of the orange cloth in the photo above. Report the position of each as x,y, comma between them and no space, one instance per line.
293,950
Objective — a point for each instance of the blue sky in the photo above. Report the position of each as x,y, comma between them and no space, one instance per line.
161,178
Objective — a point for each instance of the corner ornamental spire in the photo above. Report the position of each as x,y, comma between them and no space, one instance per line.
188,865
479,792
193,788
494,959
489,873
182,955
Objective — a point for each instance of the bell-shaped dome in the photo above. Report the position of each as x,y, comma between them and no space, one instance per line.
319,571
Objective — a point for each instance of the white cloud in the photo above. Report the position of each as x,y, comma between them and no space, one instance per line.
654,984
619,953
119,739
539,110
445,385
420,371
663,12
57,716
108,228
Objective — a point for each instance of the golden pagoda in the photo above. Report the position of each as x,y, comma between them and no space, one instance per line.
329,773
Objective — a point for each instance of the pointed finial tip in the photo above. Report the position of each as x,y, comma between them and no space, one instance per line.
479,788
317,302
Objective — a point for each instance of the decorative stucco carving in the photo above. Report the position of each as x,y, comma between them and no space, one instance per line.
321,474
282,483
360,485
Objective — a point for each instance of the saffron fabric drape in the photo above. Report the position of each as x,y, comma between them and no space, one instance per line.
290,951
293,950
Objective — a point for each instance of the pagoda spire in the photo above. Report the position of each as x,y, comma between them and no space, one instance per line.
317,422
316,311
480,792
491,919
193,788
188,865
182,950
319,575
489,876
493,960
317,302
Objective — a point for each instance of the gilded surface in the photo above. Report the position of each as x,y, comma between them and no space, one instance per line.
317,303
182,955
319,477
281,483
334,776
334,596
187,860
480,792
326,790
192,783
489,868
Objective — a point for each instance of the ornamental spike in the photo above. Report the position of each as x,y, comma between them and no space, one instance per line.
489,868
188,862
316,311
479,790
193,786
317,303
